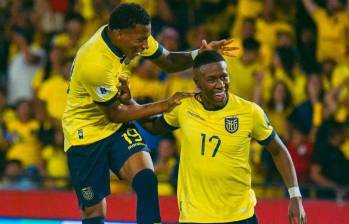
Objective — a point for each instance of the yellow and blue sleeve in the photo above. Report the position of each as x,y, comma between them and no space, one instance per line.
154,50
170,120
101,85
262,131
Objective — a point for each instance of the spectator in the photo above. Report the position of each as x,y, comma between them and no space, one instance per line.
285,68
307,50
165,163
332,26
309,114
169,38
279,107
146,74
54,161
23,66
301,150
243,71
13,178
72,37
329,165
25,146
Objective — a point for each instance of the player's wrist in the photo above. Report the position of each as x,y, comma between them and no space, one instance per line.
294,192
164,106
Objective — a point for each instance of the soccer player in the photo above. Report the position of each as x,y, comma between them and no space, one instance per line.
214,183
97,131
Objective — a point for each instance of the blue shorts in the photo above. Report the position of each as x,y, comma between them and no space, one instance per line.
90,165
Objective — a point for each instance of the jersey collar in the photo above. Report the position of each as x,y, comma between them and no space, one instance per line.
114,49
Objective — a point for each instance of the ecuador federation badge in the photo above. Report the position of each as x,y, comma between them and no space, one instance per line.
231,124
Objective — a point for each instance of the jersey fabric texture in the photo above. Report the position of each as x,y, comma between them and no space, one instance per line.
94,80
214,182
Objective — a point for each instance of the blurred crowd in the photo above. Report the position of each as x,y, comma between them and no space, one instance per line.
293,60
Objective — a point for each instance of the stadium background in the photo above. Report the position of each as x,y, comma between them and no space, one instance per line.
292,62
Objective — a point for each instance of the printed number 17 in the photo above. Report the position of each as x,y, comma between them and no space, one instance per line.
203,144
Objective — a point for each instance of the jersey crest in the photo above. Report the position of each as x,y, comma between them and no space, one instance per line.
231,124
103,91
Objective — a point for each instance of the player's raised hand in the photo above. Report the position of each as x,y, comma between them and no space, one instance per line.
175,100
296,213
124,91
221,46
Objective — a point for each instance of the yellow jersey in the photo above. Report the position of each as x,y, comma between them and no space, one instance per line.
25,144
53,92
242,77
94,79
214,181
332,34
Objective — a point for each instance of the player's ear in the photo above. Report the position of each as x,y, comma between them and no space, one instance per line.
196,81
116,33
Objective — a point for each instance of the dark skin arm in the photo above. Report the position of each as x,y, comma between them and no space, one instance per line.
154,125
284,164
126,109
179,61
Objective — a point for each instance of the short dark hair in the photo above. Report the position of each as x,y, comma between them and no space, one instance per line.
128,15
251,44
207,57
71,15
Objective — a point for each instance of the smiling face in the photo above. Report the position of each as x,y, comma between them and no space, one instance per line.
132,41
213,81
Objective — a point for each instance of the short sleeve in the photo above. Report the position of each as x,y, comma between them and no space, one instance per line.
262,131
171,119
154,50
101,84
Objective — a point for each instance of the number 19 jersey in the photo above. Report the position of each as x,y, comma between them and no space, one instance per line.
214,182
94,80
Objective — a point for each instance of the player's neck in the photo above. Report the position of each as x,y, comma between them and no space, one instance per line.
113,40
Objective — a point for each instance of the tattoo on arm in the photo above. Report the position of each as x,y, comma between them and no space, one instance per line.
174,61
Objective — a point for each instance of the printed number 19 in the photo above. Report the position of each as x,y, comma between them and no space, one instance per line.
131,136
203,144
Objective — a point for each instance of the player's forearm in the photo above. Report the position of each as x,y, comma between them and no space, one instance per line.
283,162
122,113
175,61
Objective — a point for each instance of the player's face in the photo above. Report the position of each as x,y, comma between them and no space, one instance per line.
135,40
213,81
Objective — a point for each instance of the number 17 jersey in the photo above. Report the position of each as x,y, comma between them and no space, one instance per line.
214,182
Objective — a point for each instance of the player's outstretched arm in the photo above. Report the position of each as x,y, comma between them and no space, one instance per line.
120,113
126,109
284,164
179,61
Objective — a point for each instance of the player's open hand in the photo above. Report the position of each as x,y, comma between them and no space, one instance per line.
175,100
124,91
296,213
223,47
